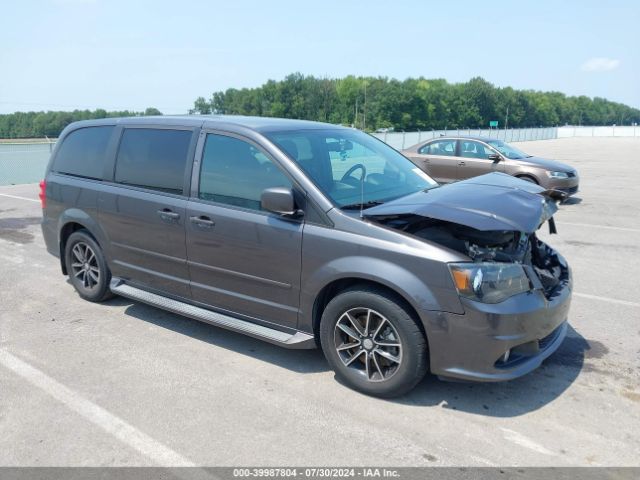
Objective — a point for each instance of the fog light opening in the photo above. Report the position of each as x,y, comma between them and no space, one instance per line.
505,356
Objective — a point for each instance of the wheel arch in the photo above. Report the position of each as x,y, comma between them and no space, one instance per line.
530,176
337,286
71,221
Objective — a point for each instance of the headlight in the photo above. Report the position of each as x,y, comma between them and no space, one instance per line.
558,174
489,282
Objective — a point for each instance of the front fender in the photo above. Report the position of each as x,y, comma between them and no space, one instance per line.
425,299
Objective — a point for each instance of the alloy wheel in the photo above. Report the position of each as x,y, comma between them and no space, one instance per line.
84,265
368,342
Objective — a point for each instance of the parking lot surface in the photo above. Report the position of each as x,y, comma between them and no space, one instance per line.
121,383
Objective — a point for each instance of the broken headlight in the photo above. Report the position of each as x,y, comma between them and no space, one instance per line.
489,282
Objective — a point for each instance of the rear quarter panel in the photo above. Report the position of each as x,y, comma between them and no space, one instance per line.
71,200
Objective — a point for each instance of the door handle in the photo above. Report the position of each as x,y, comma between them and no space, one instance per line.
202,221
167,214
461,164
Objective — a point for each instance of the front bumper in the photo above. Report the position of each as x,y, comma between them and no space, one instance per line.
472,346
570,185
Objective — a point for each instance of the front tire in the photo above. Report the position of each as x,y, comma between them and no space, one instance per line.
373,343
86,267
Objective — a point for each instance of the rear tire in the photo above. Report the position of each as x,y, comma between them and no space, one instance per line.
87,268
372,342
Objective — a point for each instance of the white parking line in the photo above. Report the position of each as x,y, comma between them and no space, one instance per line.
607,227
607,299
526,442
19,198
127,434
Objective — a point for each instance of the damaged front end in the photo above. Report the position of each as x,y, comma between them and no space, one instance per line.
492,219
514,290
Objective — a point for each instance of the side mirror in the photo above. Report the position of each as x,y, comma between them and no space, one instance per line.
495,157
279,200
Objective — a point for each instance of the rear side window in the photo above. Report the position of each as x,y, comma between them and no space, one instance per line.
153,158
440,147
82,152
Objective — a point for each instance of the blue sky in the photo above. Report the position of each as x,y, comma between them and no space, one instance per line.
65,54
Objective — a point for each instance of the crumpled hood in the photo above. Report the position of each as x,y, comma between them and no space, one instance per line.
494,201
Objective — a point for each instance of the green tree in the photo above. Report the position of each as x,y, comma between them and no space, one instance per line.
414,103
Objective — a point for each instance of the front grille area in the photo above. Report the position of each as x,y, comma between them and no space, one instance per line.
549,267
570,190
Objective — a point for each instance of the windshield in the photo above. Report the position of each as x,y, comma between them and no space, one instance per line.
507,150
351,167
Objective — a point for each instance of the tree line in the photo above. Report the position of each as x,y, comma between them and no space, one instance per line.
50,124
371,103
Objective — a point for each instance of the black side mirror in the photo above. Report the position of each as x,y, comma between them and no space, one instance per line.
495,157
279,200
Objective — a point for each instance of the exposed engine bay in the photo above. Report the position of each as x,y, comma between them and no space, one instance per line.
492,218
486,246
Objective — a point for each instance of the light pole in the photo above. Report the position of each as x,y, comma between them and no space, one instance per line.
355,120
364,112
506,122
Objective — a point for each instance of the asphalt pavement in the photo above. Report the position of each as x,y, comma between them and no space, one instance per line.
122,384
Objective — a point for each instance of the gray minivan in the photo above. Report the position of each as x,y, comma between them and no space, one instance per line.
306,234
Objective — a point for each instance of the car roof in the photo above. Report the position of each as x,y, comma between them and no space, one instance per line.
258,124
481,138
462,137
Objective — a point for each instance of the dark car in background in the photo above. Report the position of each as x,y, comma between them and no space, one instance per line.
449,159
305,234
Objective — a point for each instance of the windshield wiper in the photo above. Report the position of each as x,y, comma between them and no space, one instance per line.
358,206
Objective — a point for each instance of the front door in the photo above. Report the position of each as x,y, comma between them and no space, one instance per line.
242,259
474,160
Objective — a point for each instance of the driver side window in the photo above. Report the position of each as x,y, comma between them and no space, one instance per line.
235,172
471,149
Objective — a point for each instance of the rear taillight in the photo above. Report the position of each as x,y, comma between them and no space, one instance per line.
43,193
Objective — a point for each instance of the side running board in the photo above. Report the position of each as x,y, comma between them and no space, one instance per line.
297,340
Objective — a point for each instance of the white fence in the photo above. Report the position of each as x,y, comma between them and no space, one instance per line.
612,131
26,162
402,140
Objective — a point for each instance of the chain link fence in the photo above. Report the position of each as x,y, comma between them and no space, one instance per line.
601,131
402,140
23,162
